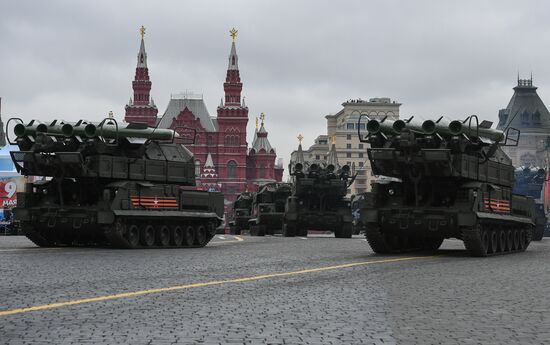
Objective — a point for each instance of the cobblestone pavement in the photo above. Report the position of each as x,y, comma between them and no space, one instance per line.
447,299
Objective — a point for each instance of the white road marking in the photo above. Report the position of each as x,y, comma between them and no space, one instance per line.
221,237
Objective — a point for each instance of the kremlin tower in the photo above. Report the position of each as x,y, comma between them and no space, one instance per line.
142,108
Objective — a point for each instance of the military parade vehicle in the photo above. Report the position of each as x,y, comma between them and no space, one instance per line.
268,208
530,181
240,213
454,181
105,184
318,200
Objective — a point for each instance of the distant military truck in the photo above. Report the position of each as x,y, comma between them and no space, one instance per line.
241,213
318,201
268,208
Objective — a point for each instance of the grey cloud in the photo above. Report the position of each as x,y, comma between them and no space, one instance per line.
299,59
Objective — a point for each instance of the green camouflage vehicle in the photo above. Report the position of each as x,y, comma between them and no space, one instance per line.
241,213
318,200
450,180
105,184
268,208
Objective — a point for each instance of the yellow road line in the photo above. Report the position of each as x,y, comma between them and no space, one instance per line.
239,238
197,285
27,249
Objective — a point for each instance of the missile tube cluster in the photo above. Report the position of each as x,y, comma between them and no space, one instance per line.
106,129
430,127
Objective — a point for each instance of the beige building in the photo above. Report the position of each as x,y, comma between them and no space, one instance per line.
343,127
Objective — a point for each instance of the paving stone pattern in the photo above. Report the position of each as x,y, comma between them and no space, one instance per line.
449,299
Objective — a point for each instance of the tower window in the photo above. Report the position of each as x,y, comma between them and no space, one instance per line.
232,169
350,126
262,171
197,168
536,117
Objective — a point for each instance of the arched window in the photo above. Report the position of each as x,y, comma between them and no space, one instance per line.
231,169
197,167
525,118
536,117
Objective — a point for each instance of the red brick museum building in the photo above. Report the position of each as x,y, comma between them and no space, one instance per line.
223,158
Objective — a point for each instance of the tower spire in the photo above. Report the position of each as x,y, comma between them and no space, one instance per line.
142,54
233,85
141,108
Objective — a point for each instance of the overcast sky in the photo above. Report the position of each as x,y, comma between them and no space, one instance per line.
299,60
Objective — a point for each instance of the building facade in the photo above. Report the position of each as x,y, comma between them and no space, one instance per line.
223,159
527,113
342,129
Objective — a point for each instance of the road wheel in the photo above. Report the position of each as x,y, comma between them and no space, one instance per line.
377,241
516,239
289,230
189,236
177,236
493,241
509,240
201,237
148,236
521,240
163,236
132,236
476,240
501,241
344,232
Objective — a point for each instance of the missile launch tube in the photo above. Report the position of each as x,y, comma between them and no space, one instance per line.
386,127
31,129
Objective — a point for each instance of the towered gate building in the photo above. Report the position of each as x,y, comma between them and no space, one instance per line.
223,159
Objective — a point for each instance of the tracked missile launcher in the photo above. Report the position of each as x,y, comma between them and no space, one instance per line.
318,200
268,208
240,216
530,181
105,184
448,180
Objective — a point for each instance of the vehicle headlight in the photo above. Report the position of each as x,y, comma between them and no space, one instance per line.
391,191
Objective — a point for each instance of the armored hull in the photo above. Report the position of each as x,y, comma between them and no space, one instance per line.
112,191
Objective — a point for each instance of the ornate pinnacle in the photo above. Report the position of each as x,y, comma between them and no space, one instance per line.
110,114
233,34
142,31
256,122
300,138
262,117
